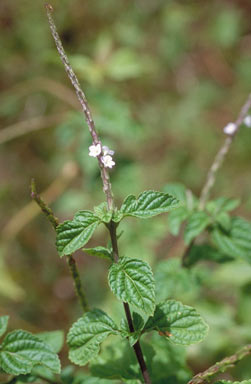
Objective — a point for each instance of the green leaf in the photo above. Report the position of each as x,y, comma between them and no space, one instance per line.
55,339
180,323
103,213
148,204
237,242
131,280
102,252
196,224
74,234
175,219
3,324
86,335
21,351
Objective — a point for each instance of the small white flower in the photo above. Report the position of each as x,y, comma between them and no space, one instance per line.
95,150
247,121
230,129
107,150
107,161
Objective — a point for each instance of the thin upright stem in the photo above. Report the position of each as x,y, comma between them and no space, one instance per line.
70,259
137,347
84,104
104,172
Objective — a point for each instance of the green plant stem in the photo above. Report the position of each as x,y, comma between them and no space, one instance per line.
70,259
221,366
137,347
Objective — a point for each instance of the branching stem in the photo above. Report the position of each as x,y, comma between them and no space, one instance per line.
70,259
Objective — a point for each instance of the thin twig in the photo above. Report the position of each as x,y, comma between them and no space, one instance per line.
84,104
219,158
70,259
221,366
31,125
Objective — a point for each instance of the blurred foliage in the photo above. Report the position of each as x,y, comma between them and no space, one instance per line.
162,78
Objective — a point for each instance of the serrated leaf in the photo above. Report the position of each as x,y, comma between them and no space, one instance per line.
236,242
180,323
74,234
102,252
175,219
86,335
55,339
3,324
148,204
196,224
21,351
131,280
103,213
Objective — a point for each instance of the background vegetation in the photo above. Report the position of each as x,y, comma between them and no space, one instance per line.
162,78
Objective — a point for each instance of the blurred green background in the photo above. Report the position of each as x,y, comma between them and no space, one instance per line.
162,78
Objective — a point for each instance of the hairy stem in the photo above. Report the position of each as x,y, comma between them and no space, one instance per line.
221,366
70,259
84,104
104,172
137,348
